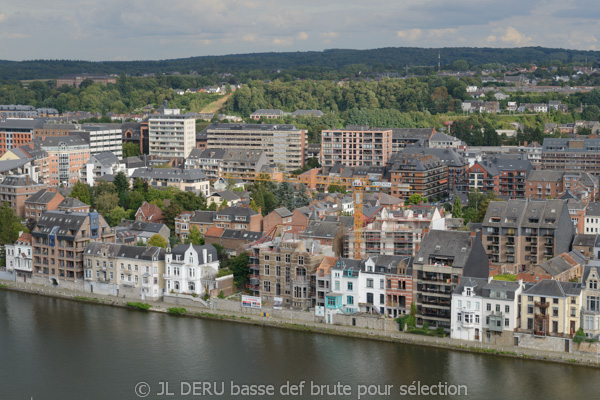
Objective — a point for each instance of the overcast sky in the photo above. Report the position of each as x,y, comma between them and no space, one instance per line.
151,29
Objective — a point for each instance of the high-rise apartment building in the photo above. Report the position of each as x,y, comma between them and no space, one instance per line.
172,134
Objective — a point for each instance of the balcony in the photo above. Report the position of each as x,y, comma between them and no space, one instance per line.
542,304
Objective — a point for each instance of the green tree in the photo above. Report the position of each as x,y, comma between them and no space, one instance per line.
158,241
222,255
170,213
131,150
194,237
116,215
239,266
81,192
9,224
457,210
106,202
415,199
121,182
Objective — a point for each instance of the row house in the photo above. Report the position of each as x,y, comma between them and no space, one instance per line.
486,310
286,271
191,269
396,233
551,308
591,219
443,258
398,284
59,241
19,257
224,197
239,218
590,310
99,165
233,241
281,219
565,267
520,233
124,271
480,106
426,175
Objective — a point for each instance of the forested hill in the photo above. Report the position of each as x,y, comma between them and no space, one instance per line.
309,64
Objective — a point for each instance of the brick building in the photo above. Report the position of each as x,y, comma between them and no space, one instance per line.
356,146
60,239
18,188
426,174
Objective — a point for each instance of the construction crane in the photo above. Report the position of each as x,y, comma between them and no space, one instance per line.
358,184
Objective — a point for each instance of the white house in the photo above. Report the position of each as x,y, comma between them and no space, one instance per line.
591,221
191,269
344,295
371,286
466,311
18,257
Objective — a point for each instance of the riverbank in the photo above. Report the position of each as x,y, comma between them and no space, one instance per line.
314,327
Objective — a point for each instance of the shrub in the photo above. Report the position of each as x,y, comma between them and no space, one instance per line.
177,310
224,272
139,306
579,336
425,325
221,295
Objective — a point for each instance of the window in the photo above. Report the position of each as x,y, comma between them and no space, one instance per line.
506,322
459,317
337,285
468,291
277,258
459,303
554,301
266,257
267,286
300,260
382,298
350,301
573,312
593,284
555,311
381,284
506,309
350,286
529,323
369,283
593,303
529,298
497,307
489,307
330,301
487,320
530,309
476,318
288,258
477,306
278,270
267,270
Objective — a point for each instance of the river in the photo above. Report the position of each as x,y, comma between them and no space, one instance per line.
62,350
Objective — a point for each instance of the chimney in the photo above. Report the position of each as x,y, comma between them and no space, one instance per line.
205,255
473,236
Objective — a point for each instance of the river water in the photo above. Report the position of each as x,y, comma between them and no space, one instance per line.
63,350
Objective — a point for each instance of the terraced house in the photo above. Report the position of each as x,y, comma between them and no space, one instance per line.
124,271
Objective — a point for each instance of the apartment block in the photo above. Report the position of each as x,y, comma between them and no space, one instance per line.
284,145
426,175
356,146
67,157
218,162
103,138
183,179
59,241
571,155
520,233
503,175
17,132
171,134
544,184
44,200
444,257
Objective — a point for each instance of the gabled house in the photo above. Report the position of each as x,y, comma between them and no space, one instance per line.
149,213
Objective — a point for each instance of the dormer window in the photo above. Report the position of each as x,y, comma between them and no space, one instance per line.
469,291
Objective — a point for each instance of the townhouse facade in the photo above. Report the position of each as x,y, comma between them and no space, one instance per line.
19,257
124,271
191,269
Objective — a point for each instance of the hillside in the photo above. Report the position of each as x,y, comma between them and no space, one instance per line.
384,59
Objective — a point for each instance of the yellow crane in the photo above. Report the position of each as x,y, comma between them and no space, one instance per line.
358,184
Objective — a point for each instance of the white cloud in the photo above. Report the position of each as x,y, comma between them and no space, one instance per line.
302,36
411,35
2,17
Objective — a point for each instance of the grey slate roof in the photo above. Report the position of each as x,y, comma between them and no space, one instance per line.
546,176
455,244
9,165
60,221
106,158
585,240
241,234
227,195
283,212
557,265
180,249
141,226
412,133
17,181
593,210
390,264
554,288
205,217
149,253
448,156
43,196
321,229
170,174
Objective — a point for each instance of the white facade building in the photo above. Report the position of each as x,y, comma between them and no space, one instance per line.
18,257
191,269
371,288
467,302
104,138
172,134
